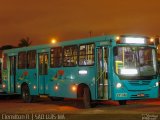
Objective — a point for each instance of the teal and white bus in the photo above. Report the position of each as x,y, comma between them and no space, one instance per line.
0,75
110,67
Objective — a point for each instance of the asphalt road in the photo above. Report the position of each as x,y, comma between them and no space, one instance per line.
45,108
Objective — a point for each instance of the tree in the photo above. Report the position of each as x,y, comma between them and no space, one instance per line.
5,47
24,42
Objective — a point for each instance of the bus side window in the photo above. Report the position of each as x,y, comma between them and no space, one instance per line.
70,55
22,60
86,54
56,57
115,51
41,64
46,64
4,62
31,59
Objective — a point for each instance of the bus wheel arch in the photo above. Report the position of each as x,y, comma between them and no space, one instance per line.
23,84
84,95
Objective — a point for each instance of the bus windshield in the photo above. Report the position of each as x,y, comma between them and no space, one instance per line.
135,61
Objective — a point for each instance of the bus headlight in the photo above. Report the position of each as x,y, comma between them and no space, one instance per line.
157,84
119,85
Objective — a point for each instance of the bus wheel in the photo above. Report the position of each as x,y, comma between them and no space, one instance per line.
122,102
86,98
26,94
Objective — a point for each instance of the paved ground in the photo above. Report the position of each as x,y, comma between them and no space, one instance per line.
45,109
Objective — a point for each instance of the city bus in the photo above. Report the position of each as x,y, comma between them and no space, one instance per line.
0,76
158,59
110,67
0,71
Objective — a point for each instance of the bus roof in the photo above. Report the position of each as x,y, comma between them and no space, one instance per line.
111,38
64,43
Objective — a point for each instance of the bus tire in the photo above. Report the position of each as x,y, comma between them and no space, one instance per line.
86,98
122,102
27,98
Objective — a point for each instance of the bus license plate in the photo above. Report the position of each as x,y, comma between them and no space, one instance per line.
121,94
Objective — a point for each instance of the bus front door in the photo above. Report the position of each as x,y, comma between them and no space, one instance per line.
102,72
12,74
43,72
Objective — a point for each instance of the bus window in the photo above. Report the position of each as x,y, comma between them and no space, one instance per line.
4,61
70,56
86,54
140,60
56,57
31,59
46,64
22,59
43,64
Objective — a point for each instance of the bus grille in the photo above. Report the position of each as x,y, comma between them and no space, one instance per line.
139,97
139,82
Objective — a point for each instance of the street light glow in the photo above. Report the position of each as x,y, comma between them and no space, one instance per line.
53,41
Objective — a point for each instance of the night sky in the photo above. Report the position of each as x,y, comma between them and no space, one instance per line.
42,20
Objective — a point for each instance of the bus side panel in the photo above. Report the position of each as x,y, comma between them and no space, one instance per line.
28,76
5,81
6,74
63,82
33,81
70,76
89,79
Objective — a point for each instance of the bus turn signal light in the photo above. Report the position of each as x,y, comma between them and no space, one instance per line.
3,86
74,88
56,87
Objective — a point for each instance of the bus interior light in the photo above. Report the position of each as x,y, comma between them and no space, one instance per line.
130,72
134,40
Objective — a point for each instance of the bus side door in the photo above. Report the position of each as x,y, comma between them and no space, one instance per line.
43,72
12,60
102,72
